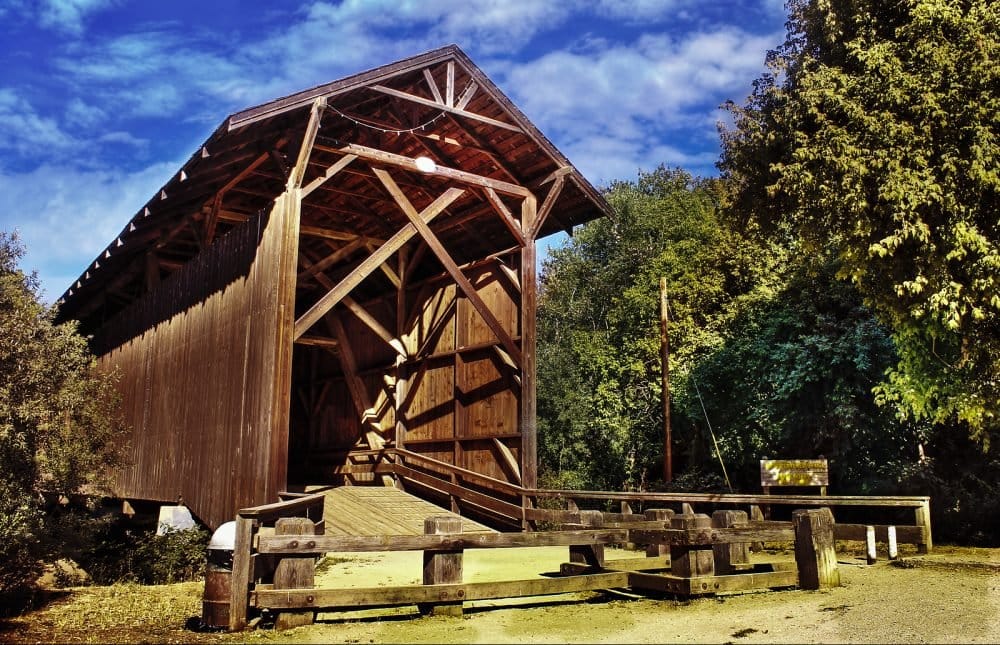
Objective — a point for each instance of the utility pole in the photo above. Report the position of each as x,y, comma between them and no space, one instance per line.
668,466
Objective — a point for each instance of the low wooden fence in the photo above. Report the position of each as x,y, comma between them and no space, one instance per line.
687,554
513,507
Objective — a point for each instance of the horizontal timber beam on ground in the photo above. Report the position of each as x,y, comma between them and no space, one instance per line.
444,542
331,599
665,583
684,537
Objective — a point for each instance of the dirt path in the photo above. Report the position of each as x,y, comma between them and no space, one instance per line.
944,598
951,596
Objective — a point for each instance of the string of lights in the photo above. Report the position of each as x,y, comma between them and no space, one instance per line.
388,130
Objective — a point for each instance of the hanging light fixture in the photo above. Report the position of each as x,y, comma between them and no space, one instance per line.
425,164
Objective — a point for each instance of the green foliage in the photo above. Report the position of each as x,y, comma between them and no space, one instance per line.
794,380
116,550
876,135
58,418
600,415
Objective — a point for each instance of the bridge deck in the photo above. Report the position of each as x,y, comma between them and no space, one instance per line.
380,510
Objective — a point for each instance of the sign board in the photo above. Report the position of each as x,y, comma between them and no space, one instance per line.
794,472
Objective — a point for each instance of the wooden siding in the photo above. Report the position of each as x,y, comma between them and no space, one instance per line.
205,387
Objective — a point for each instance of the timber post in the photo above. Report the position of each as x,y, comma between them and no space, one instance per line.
590,554
815,555
733,556
756,515
295,571
691,560
658,515
239,598
442,566
923,519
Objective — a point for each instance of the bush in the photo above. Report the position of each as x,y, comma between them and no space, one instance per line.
124,552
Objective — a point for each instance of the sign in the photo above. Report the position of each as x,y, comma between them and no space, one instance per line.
794,472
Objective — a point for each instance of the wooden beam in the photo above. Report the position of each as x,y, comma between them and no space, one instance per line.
318,341
467,94
449,264
342,163
550,201
409,163
529,303
449,88
333,234
505,215
338,255
355,385
454,110
386,269
373,324
508,458
431,83
372,262
298,172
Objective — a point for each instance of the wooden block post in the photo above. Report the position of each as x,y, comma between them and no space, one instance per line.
691,560
891,539
658,515
870,546
295,572
590,554
732,556
756,515
923,519
239,599
442,567
815,555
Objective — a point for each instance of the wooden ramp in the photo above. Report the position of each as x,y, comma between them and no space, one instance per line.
380,510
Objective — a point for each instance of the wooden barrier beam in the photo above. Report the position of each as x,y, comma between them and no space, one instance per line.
658,515
589,554
334,599
361,544
815,555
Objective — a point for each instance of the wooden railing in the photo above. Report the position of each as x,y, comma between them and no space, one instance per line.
513,507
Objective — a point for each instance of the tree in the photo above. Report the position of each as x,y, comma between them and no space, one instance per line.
875,137
58,417
600,417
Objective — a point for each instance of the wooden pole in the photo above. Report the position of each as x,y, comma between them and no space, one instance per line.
668,466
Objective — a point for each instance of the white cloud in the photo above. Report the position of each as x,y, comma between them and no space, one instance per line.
69,15
24,131
69,223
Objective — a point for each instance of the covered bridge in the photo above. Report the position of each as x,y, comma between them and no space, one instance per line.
333,277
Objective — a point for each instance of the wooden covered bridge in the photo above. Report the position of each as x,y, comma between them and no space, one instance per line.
339,287
334,279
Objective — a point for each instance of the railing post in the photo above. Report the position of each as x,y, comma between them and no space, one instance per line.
295,572
590,554
729,556
870,546
923,519
442,567
658,515
239,601
815,555
691,560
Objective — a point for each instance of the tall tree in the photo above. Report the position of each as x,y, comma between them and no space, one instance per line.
600,418
59,420
875,136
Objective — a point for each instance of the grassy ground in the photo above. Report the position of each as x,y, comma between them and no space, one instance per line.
952,595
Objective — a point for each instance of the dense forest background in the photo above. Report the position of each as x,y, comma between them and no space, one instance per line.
835,292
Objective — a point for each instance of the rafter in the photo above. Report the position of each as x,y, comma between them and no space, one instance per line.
546,208
447,108
330,172
508,219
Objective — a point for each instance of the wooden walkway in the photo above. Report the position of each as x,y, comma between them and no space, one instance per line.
380,510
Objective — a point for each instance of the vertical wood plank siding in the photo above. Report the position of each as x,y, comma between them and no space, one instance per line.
205,372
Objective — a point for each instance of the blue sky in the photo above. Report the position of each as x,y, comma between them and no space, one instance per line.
101,101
